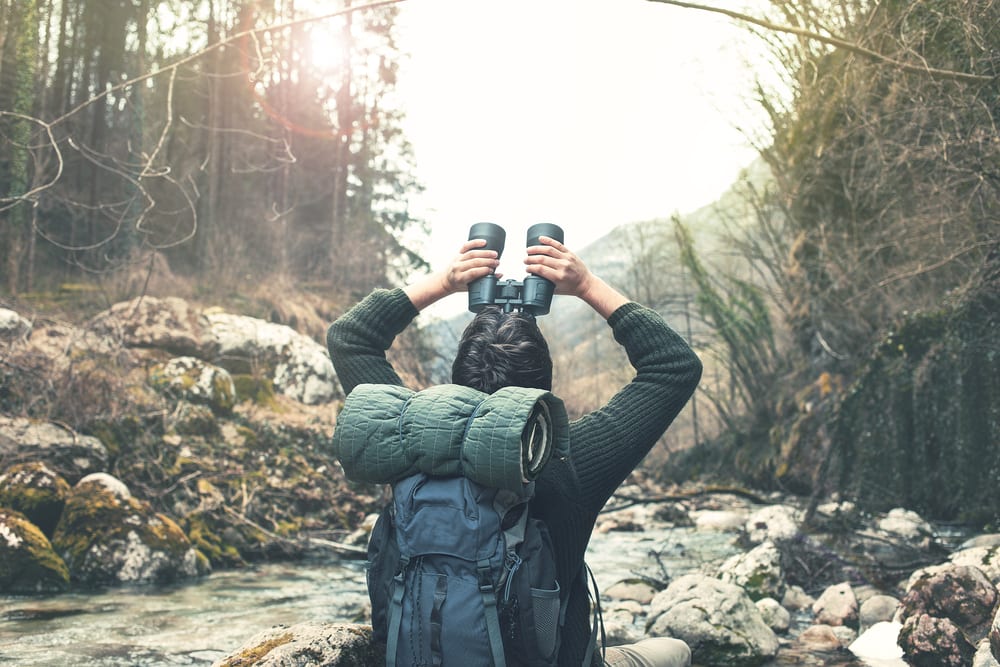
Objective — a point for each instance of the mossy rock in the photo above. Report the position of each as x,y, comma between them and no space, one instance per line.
194,380
310,643
193,419
258,390
106,537
218,540
28,563
36,491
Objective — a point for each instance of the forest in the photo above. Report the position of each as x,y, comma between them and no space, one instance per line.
191,147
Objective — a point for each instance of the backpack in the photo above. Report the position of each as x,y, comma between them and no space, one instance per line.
459,575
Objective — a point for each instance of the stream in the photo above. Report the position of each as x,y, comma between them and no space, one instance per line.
200,622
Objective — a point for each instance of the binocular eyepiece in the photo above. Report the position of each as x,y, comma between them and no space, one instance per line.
533,295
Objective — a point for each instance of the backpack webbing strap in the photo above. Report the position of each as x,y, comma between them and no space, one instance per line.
440,595
490,610
597,622
396,611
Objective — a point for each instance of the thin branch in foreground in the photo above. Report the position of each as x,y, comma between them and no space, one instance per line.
839,42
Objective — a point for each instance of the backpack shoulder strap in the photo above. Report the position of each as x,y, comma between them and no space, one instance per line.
396,610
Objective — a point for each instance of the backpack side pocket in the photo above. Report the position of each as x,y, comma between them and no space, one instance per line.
531,602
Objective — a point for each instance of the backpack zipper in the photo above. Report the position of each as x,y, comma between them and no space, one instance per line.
513,563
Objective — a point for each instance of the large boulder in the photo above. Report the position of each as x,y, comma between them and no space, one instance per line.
718,620
28,564
169,324
311,644
106,536
36,491
299,366
945,613
65,451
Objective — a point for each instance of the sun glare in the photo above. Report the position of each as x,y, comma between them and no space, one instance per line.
325,50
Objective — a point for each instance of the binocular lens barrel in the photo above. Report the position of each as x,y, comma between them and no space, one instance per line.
544,229
495,235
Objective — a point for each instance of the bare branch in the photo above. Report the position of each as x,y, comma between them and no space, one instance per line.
9,202
839,42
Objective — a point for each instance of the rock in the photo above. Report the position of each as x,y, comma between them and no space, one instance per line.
994,634
836,516
819,638
837,606
758,571
28,564
945,614
777,617
987,540
985,557
619,625
311,644
301,368
930,641
984,656
721,520
675,513
795,599
195,381
631,589
12,325
876,609
168,324
624,523
878,643
773,523
191,419
106,536
63,450
908,526
36,491
717,620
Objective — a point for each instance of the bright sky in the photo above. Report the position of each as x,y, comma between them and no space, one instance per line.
585,113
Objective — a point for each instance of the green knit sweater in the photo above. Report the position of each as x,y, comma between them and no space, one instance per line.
605,445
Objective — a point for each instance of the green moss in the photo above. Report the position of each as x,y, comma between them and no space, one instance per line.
256,389
252,656
35,491
28,563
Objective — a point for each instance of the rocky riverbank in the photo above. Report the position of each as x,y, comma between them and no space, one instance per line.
843,597
159,441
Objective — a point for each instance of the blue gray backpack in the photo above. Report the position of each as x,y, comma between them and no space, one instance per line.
459,574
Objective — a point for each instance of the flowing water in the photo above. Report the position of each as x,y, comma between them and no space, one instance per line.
198,623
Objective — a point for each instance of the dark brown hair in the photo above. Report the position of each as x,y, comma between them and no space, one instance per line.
501,349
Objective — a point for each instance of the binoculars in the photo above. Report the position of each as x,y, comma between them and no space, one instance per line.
533,295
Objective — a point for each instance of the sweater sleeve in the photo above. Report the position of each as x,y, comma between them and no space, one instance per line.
610,442
359,338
